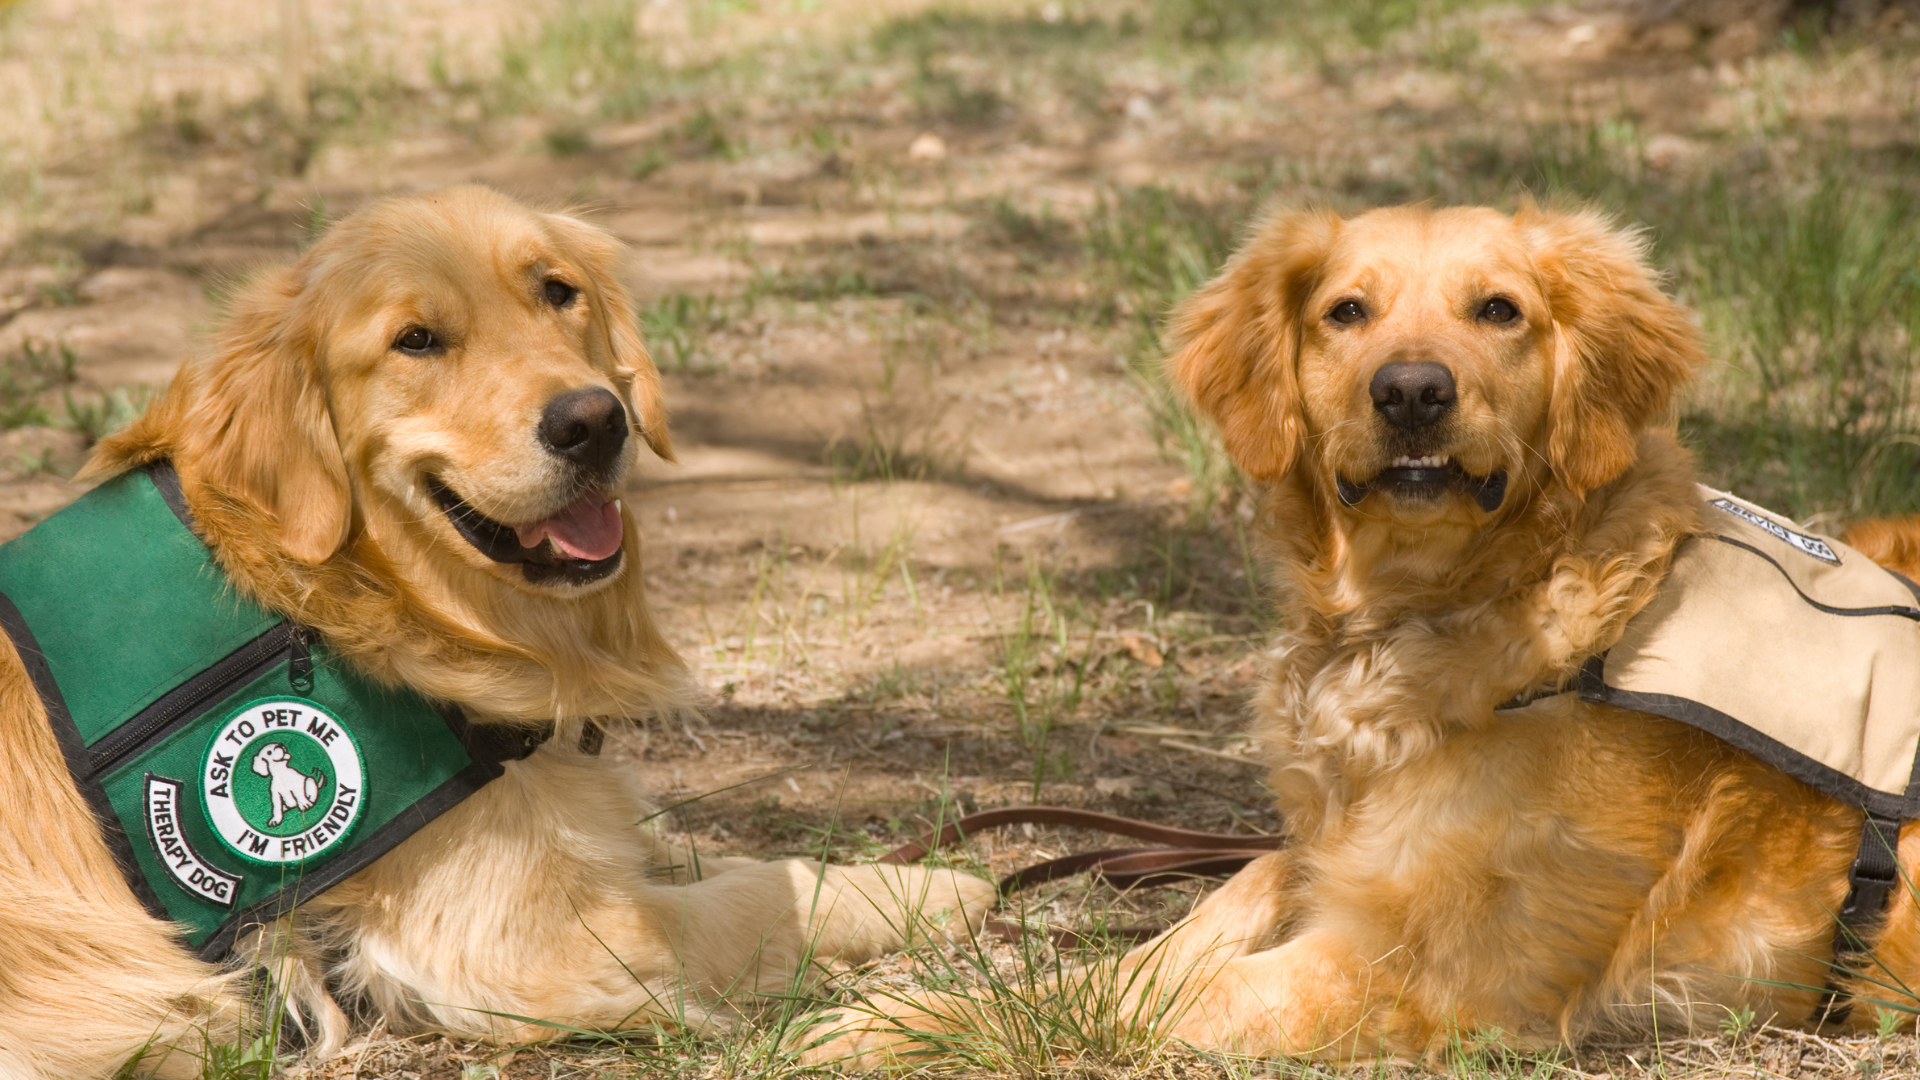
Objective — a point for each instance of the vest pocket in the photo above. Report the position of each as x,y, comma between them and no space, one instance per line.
185,702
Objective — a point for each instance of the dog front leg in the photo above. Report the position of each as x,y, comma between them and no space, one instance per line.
1245,914
574,949
767,928
675,864
1312,997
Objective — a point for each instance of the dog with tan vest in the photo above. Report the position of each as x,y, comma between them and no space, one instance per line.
1565,745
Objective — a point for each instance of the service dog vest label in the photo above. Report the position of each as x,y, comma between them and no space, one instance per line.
283,781
183,863
1812,545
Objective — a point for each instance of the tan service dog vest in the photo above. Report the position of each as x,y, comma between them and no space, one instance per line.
1793,647
1804,653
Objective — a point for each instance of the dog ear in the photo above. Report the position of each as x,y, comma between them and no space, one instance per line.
263,415
601,252
1239,340
1621,345
630,353
260,766
251,422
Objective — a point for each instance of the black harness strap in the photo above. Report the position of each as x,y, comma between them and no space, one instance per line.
1870,884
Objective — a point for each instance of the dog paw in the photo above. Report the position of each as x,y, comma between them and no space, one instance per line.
850,1050
863,911
863,1040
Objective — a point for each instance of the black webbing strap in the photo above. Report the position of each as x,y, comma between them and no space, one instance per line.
1870,884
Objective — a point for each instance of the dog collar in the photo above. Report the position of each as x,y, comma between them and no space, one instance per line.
236,764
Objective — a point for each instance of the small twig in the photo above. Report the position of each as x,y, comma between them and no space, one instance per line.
1210,752
1160,731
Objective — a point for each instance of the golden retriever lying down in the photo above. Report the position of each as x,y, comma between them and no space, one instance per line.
1470,489
411,442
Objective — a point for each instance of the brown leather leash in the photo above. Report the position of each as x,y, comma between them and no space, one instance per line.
1179,855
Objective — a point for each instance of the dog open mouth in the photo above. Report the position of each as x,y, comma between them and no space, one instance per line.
578,545
1427,478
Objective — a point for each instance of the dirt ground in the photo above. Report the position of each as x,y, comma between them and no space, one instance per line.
925,544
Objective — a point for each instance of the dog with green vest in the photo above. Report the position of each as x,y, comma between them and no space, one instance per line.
313,682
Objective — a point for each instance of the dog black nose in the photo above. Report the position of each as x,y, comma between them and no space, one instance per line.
587,427
1412,394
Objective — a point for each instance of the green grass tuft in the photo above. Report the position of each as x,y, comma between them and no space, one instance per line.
583,53
1812,301
27,374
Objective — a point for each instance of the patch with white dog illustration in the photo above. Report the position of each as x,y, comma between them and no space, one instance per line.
283,780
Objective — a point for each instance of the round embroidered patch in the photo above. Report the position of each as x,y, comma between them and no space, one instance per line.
283,781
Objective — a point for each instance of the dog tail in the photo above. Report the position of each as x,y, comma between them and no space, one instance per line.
87,988
1892,542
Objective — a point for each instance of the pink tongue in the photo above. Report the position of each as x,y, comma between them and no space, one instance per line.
589,529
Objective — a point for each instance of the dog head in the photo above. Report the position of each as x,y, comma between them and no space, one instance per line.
1421,366
452,372
270,755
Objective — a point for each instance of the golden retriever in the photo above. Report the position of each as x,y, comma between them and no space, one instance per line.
412,442
1459,419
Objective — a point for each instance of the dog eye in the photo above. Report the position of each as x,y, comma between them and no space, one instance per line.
417,339
1499,310
1348,312
559,293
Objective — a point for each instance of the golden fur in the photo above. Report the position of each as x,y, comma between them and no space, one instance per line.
302,442
1548,872
1892,542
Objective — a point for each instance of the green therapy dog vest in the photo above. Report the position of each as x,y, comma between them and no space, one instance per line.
236,765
